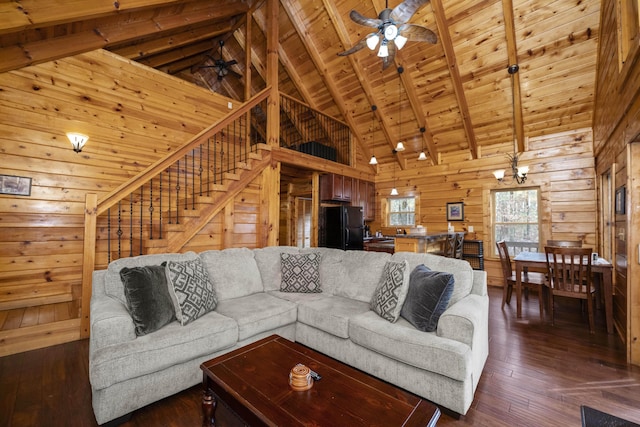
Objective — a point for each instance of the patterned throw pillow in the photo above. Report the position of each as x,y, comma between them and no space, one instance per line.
391,292
191,290
300,272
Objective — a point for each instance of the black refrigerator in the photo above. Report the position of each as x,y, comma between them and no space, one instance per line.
343,227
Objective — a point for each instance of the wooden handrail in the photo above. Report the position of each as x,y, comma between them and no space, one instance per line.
143,177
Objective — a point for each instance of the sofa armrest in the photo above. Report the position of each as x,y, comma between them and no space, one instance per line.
110,320
479,286
466,321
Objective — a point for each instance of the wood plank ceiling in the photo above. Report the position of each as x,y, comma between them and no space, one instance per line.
458,89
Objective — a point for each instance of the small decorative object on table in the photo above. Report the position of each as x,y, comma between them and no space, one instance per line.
300,378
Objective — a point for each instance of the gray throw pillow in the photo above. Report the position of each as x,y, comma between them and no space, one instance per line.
428,296
300,272
148,299
191,289
391,292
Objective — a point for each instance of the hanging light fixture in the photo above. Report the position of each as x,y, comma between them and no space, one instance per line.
77,140
519,173
400,144
373,160
394,190
422,155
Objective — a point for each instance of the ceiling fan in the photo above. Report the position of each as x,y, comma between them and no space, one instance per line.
220,66
393,30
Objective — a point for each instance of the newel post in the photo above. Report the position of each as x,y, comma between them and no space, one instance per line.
88,259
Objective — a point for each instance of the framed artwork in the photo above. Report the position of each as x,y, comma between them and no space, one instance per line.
15,185
455,211
620,200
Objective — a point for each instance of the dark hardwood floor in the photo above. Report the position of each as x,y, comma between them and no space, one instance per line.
536,375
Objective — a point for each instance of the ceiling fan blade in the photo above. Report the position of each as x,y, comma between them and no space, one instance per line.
418,33
363,20
405,10
232,62
362,43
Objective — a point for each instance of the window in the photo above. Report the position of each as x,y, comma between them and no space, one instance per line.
515,219
402,211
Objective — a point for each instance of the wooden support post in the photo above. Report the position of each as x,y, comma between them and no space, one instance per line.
88,259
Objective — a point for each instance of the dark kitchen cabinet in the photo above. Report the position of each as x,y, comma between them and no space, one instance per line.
336,187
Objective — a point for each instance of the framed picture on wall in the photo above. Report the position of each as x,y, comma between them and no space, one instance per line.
15,185
621,200
455,211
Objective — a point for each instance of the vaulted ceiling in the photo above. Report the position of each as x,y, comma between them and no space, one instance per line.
458,90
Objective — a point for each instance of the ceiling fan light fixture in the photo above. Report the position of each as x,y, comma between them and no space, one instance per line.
383,52
422,156
390,32
372,41
400,41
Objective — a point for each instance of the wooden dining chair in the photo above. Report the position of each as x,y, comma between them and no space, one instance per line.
529,280
569,272
565,243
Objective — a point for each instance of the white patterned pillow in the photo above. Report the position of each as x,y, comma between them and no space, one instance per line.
300,272
191,289
392,290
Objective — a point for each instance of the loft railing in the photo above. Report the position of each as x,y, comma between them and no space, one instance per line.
138,213
309,131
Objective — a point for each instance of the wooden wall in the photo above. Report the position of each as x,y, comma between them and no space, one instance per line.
133,116
561,165
616,136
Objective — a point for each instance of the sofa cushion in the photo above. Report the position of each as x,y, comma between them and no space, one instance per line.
392,289
461,270
233,272
166,347
258,313
300,272
113,285
268,261
399,341
359,274
428,296
191,290
148,299
331,314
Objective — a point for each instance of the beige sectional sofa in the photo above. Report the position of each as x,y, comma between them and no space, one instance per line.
128,371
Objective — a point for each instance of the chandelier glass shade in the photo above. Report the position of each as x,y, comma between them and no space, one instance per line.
77,140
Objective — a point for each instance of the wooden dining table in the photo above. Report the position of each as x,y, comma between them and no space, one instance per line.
601,269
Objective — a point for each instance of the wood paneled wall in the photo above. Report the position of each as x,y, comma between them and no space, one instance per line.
616,136
133,116
561,165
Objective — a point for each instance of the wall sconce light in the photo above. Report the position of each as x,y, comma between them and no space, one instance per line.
77,140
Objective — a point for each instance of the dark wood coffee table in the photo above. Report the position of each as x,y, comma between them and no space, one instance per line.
254,382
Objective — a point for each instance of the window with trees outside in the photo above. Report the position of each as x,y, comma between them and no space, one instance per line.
402,211
516,219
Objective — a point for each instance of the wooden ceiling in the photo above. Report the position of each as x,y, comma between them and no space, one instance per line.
458,89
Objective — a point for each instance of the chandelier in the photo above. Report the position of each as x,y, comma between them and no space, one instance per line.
518,173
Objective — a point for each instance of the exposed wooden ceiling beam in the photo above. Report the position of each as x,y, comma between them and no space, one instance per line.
36,52
447,44
160,45
512,52
291,9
